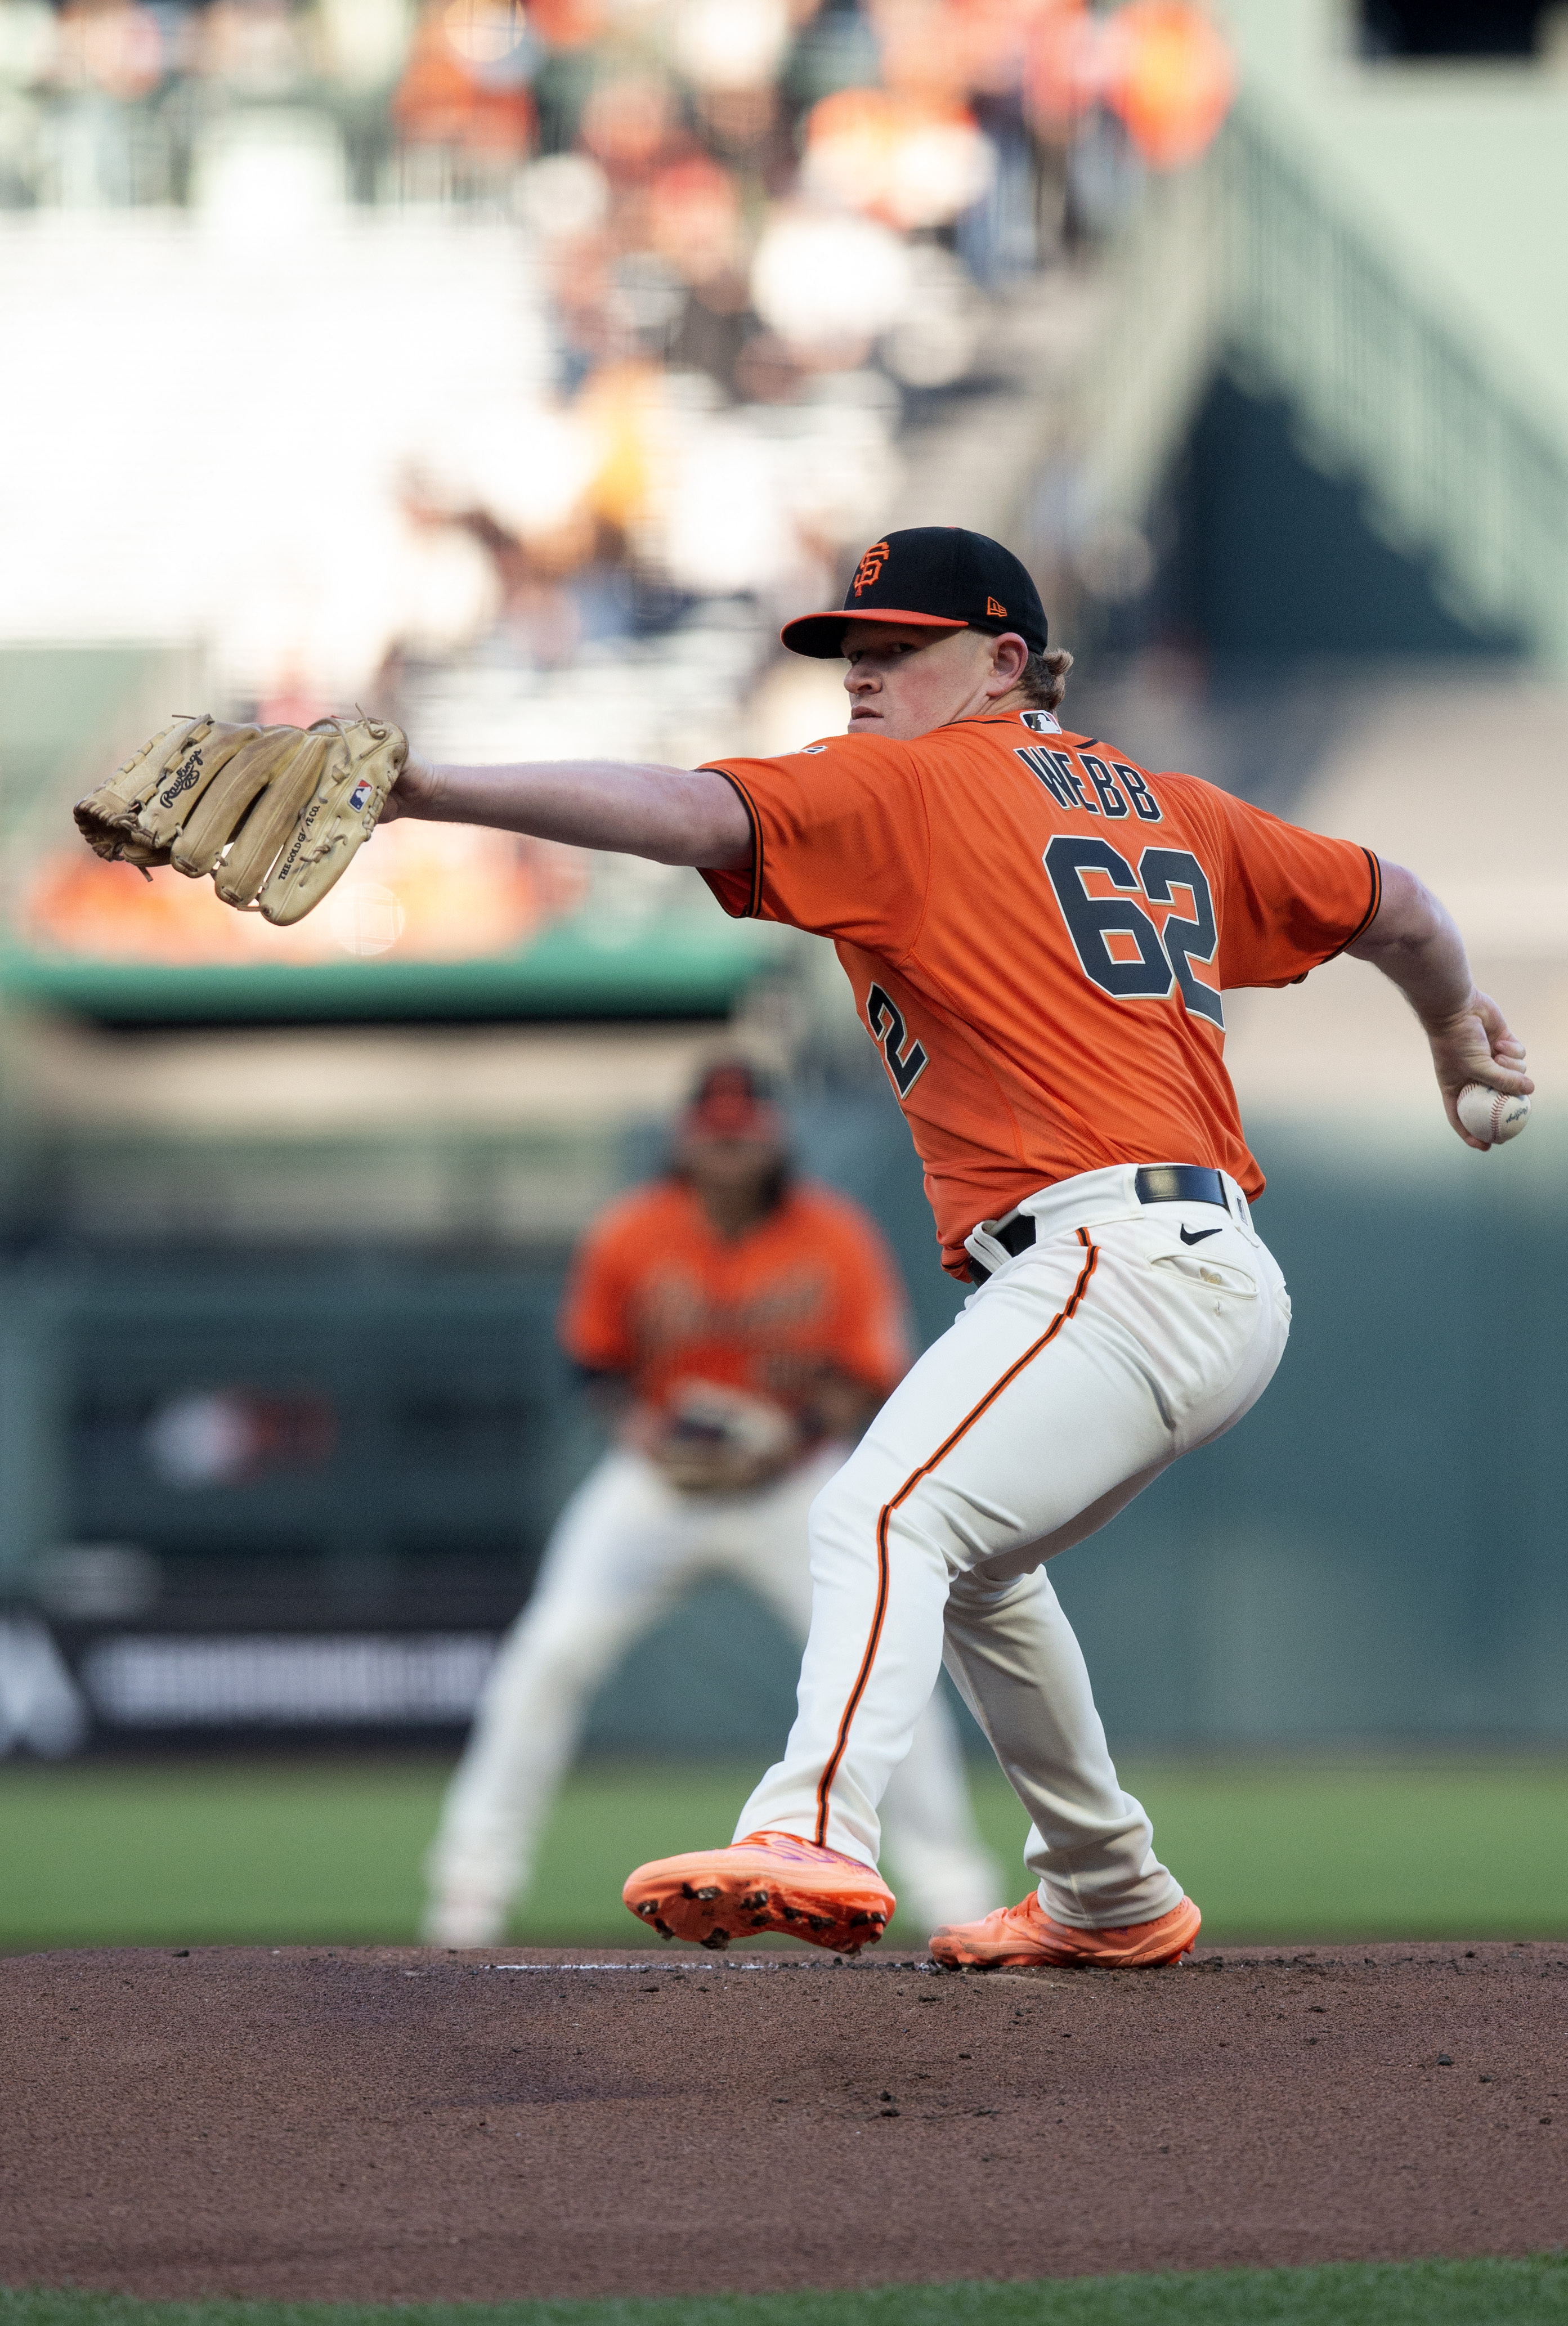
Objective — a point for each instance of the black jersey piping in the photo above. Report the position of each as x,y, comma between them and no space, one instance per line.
754,903
1371,915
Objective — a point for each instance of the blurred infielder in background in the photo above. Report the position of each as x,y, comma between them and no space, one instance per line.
742,1325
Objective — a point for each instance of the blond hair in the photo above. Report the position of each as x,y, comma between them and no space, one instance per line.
1043,678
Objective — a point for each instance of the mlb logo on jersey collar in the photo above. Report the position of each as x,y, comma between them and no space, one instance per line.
1042,722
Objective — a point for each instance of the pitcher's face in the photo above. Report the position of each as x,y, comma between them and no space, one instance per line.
904,680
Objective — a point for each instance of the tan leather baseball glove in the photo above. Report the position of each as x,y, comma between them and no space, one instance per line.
275,815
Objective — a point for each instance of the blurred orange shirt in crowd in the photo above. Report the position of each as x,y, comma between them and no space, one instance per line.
444,98
656,1295
1161,64
1037,931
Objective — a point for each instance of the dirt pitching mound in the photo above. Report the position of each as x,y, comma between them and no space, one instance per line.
399,2124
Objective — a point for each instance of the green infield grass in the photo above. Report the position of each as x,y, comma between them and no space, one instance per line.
280,1851
1530,2292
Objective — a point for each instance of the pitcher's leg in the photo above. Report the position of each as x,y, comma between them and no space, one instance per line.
865,1629
1029,1408
1066,1385
1050,1402
942,1870
1018,1665
616,1558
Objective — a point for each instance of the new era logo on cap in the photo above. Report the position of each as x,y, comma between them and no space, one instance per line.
936,577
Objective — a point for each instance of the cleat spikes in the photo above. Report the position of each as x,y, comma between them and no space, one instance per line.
763,1882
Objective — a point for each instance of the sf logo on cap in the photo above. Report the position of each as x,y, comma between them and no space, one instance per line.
870,566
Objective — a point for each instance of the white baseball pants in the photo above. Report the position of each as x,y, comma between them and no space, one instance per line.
1125,1335
625,1547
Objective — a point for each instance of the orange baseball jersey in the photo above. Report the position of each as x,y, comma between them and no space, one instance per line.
1038,931
657,1294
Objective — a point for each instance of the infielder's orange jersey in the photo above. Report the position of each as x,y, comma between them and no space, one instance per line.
658,1294
1037,931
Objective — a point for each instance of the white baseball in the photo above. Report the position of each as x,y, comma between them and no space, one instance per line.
1491,1115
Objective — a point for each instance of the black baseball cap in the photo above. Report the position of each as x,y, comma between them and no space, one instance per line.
936,576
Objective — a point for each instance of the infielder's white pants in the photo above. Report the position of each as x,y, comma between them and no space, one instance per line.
1125,1335
626,1547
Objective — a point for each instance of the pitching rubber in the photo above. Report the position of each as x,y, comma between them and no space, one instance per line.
767,1882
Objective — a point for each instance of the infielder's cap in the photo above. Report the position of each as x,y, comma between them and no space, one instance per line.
732,1101
936,576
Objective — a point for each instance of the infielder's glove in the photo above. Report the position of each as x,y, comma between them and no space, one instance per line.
721,1441
275,814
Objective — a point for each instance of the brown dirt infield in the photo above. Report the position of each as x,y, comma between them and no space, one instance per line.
399,2124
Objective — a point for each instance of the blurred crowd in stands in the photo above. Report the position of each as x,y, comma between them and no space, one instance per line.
756,203
687,117
755,233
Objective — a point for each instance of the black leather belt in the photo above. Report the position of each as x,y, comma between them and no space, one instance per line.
1154,1183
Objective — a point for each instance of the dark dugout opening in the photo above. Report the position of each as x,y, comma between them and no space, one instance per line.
1451,28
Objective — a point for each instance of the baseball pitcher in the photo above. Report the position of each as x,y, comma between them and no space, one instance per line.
1039,933
741,1326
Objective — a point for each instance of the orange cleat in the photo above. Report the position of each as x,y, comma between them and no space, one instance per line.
765,1882
1025,1934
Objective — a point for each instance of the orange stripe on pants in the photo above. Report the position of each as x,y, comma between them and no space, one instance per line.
825,1786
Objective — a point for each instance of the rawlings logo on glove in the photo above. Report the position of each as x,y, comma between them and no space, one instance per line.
275,815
